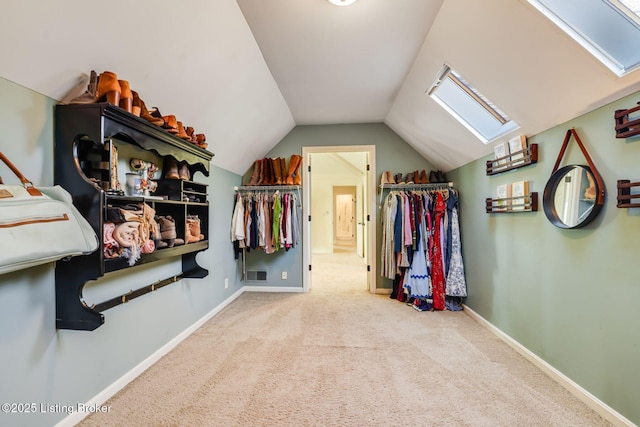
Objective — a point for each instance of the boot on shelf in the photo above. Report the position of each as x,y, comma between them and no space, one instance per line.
268,172
145,113
89,96
170,123
277,171
193,233
293,177
109,88
170,168
136,104
126,96
168,232
283,170
183,171
255,176
387,178
182,133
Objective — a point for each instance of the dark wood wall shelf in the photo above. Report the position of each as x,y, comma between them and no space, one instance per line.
627,122
517,204
84,137
624,194
529,156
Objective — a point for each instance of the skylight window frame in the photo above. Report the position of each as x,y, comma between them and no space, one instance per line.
486,131
593,47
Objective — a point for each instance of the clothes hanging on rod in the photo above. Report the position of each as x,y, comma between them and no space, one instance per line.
265,220
421,249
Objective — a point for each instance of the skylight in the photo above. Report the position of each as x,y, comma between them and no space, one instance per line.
608,29
479,115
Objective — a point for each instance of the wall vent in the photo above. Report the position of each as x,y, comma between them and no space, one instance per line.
257,275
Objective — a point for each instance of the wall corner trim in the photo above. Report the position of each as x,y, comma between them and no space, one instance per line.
604,410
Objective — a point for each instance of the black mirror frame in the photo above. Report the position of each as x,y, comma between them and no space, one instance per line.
548,198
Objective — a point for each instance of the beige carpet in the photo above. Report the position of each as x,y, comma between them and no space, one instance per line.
340,357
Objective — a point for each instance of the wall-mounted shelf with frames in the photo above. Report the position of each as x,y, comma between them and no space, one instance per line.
514,160
528,203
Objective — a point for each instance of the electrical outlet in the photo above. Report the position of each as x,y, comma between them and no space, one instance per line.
226,283
284,275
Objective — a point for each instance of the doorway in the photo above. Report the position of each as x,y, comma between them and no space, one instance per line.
344,218
339,213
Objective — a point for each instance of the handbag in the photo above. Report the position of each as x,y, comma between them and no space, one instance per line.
39,225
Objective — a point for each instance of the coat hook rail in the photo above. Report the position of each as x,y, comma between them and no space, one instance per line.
124,298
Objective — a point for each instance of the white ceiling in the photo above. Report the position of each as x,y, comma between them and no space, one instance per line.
246,72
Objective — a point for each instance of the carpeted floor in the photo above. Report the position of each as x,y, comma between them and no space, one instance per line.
339,356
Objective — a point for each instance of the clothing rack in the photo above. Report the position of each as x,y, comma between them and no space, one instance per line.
429,186
248,189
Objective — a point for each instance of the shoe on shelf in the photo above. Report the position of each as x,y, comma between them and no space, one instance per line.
76,94
170,168
126,96
170,123
108,88
183,171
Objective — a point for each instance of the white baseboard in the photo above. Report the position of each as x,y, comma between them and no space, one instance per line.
272,289
120,383
604,410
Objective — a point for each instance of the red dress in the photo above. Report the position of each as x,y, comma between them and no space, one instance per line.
437,269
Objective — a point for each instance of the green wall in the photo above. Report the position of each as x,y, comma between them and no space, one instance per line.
569,296
40,364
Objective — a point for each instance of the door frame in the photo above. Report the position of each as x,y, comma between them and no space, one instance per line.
369,206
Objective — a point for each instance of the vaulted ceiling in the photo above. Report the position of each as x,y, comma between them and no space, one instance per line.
246,72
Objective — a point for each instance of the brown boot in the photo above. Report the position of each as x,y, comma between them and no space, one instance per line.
170,168
183,171
269,178
182,133
109,88
283,170
126,96
255,176
261,172
294,164
136,104
277,170
192,232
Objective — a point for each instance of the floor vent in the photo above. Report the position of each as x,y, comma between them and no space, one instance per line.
257,275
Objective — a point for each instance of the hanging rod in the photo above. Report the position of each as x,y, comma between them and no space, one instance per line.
429,186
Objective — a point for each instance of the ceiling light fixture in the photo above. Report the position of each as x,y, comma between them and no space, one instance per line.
342,2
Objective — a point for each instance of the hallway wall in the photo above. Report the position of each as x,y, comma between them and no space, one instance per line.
569,296
392,153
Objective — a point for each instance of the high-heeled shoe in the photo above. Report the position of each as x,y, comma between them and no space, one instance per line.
148,115
109,88
126,97
192,134
170,123
200,141
136,104
181,132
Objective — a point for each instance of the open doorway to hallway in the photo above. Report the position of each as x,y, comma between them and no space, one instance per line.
338,199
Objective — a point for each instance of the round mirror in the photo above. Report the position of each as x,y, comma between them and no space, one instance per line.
570,197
